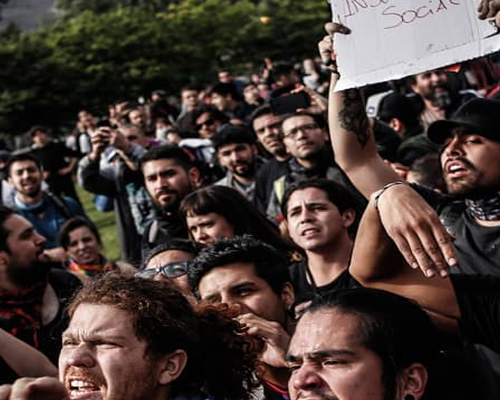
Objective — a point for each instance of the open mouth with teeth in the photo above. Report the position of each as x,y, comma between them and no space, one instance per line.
456,170
80,389
309,231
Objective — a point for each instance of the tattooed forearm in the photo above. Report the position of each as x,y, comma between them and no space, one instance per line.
352,116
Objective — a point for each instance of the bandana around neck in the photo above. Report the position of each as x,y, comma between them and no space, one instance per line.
22,309
91,269
485,209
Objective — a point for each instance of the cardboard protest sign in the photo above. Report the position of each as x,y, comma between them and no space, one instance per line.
391,39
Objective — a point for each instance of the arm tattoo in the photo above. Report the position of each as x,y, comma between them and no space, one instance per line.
352,116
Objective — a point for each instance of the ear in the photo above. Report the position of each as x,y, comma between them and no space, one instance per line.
194,176
171,367
288,295
221,160
326,136
396,124
255,150
348,217
414,88
4,260
412,381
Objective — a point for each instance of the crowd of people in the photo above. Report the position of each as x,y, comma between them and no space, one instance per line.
279,240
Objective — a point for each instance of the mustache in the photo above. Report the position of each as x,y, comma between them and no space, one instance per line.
166,191
316,395
79,374
464,161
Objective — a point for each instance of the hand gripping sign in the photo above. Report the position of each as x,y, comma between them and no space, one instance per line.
392,39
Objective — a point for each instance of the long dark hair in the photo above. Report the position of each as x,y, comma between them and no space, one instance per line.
237,210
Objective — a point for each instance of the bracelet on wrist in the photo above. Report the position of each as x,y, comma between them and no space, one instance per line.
382,191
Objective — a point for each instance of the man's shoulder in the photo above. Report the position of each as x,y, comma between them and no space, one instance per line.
66,205
64,283
273,167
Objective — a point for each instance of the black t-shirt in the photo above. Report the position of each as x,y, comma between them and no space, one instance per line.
477,246
305,291
478,298
53,156
65,285
268,173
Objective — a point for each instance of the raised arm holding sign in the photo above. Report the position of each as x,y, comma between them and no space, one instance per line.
396,38
409,220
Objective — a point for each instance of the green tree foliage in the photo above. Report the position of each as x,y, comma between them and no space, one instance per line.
96,58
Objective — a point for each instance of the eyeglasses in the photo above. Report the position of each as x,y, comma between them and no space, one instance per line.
132,137
208,122
173,269
307,128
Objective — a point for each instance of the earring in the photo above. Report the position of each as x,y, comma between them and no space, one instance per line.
409,397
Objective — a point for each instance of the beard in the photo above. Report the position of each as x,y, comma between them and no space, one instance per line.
173,203
245,170
469,186
26,277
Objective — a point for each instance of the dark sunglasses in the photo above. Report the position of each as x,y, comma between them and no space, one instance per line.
173,269
208,122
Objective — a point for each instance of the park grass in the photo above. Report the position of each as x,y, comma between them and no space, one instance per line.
106,224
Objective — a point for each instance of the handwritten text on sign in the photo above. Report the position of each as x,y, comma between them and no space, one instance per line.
394,38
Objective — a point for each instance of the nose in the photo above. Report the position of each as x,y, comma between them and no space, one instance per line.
200,235
305,378
159,277
233,300
305,215
39,239
454,147
301,132
79,356
234,156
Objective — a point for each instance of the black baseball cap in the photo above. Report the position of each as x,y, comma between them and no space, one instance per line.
480,116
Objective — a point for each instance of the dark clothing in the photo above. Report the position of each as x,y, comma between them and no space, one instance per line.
478,298
133,206
477,246
161,229
49,216
325,167
49,336
53,157
264,181
305,291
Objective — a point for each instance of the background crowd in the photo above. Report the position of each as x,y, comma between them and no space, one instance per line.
353,235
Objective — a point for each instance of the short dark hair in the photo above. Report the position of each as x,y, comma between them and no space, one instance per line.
397,105
259,112
318,119
213,111
37,128
5,213
74,223
171,244
219,358
232,134
168,152
225,89
393,327
336,193
270,265
25,156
